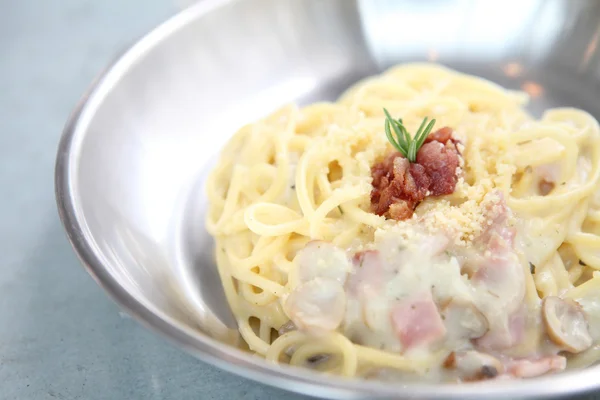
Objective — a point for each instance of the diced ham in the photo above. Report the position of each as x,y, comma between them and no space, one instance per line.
367,272
417,321
516,326
500,274
529,368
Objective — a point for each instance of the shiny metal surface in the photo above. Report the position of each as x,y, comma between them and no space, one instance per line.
134,156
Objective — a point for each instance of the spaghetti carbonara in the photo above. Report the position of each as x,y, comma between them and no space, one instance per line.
495,278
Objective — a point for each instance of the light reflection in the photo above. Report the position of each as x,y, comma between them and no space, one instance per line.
533,89
167,164
590,50
433,55
463,29
262,104
513,70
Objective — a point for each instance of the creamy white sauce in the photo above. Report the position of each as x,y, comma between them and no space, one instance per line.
420,294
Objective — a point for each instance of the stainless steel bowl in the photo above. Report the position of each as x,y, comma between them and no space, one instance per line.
134,156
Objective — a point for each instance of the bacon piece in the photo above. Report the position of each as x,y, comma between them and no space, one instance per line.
410,181
417,321
397,181
418,177
440,162
442,135
528,368
399,186
401,210
501,275
503,337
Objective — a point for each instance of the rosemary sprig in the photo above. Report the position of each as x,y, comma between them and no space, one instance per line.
408,146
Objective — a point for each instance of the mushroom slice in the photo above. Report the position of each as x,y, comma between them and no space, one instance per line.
320,259
287,327
473,365
463,320
319,304
566,324
317,359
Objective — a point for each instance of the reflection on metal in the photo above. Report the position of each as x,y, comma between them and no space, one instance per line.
533,89
432,55
590,50
513,70
460,30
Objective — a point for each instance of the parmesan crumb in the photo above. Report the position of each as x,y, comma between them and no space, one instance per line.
465,221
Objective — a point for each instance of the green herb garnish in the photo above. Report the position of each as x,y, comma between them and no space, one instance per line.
403,142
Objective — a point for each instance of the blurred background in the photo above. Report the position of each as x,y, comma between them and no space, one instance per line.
60,336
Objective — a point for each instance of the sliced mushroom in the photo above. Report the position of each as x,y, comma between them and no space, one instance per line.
320,259
464,320
319,304
287,327
566,324
315,360
473,365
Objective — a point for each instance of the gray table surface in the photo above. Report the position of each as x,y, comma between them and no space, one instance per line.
60,336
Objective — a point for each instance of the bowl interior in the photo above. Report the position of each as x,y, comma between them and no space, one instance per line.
141,148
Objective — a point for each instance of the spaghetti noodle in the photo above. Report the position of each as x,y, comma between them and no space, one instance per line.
497,279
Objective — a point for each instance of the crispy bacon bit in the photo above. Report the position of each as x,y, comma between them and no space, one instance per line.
440,162
450,361
399,186
442,135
